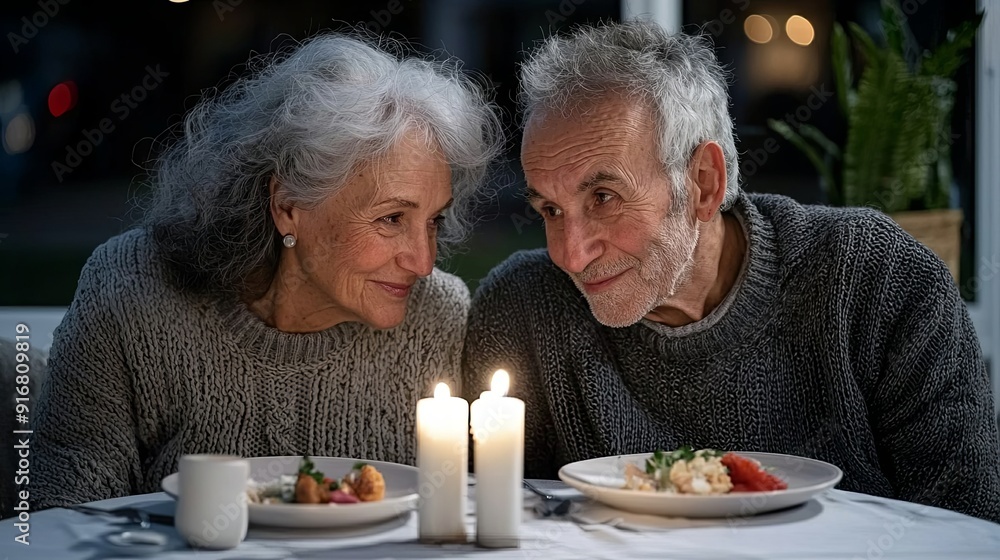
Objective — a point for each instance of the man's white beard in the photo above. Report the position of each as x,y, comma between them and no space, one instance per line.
648,283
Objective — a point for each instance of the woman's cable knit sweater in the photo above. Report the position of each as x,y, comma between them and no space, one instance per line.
844,340
141,373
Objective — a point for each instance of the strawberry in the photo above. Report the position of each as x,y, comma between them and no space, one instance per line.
747,476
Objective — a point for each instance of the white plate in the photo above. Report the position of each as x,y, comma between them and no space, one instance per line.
400,494
603,480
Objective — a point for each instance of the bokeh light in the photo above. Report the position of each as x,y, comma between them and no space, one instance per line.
62,98
19,134
11,97
799,30
758,29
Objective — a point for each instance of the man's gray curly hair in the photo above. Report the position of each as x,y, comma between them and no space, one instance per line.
678,76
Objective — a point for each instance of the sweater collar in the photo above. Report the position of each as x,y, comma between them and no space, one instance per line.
747,306
254,336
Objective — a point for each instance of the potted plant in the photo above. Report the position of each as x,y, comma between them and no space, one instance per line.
896,156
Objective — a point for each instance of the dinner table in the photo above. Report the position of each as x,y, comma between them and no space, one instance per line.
834,524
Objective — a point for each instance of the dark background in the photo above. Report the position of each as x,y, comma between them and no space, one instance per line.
51,217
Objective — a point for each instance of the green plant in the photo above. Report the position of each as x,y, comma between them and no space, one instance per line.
897,151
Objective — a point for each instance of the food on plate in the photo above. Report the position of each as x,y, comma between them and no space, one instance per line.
748,475
364,483
702,472
367,484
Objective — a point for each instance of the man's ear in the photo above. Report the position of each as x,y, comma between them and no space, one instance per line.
282,213
708,173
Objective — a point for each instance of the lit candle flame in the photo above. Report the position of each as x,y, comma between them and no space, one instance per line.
441,391
500,383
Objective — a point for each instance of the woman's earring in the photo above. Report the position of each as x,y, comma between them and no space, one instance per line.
289,241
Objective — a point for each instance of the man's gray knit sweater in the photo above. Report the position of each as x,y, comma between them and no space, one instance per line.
141,373
843,339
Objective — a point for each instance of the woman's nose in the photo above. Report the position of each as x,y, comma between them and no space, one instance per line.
418,257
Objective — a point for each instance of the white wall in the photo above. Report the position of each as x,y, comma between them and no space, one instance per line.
986,311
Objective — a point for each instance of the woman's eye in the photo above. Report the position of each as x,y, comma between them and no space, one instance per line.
438,221
393,219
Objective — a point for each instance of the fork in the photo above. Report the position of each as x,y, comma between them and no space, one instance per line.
144,519
562,508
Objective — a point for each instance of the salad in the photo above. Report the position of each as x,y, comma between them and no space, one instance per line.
701,472
364,483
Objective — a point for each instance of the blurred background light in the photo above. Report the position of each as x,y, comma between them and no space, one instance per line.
62,98
799,30
19,134
758,29
11,96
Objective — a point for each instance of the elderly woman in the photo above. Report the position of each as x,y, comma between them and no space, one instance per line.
280,295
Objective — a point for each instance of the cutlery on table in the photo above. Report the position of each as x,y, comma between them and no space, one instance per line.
545,508
143,518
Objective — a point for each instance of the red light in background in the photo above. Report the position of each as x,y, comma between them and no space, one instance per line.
62,98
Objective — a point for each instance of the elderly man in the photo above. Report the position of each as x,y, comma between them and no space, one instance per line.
673,309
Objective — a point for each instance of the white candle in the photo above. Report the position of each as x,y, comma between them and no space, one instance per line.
498,432
443,463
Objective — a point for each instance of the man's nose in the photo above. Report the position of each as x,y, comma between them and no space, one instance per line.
581,245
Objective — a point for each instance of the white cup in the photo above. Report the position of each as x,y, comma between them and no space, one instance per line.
212,500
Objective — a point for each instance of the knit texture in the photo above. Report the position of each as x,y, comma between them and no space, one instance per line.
844,340
141,373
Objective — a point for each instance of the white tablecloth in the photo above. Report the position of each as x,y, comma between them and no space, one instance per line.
835,525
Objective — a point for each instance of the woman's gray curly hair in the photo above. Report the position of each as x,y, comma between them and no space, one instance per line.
677,75
309,117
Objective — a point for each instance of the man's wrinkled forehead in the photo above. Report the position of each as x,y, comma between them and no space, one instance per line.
611,121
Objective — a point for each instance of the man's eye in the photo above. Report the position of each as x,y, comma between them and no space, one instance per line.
393,219
550,211
603,197
438,221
